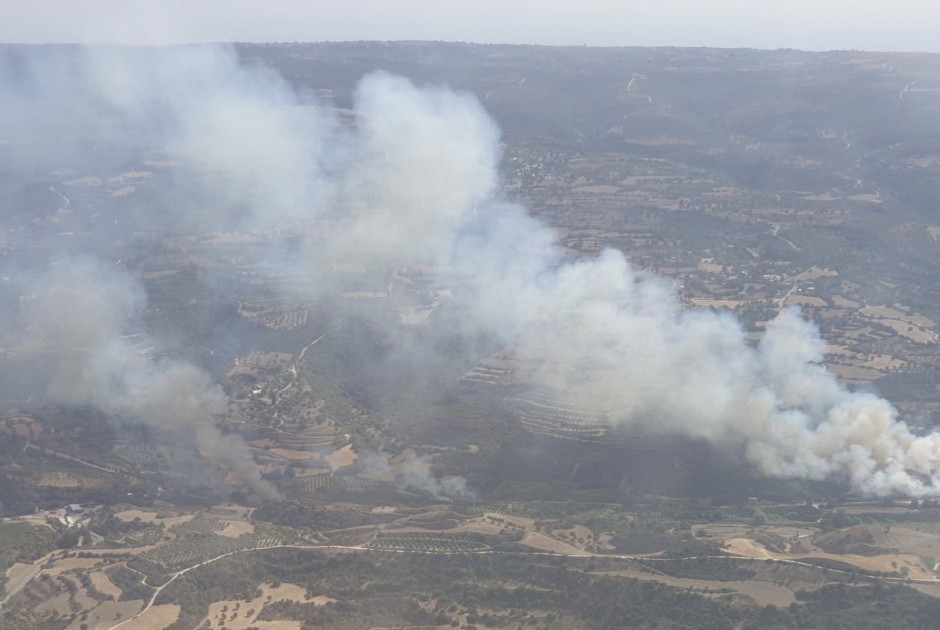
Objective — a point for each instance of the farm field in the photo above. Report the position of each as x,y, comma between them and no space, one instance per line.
731,560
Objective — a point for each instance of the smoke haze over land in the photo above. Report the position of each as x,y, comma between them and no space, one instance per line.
413,181
831,25
80,312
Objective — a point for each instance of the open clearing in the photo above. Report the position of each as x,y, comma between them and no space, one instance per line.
157,618
107,614
806,300
104,585
716,303
59,480
342,457
18,572
152,517
293,455
541,541
757,592
240,615
812,274
747,548
234,529
888,563
57,606
69,564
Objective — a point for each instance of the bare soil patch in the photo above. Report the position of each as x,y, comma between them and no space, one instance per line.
755,592
57,605
884,362
108,614
147,516
888,563
293,455
747,548
928,589
812,273
716,303
600,189
544,542
841,302
806,300
68,564
480,526
158,617
240,615
234,529
579,533
342,457
854,372
104,585
16,573
59,480
909,330
891,313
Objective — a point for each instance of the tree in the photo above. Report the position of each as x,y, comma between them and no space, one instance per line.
759,518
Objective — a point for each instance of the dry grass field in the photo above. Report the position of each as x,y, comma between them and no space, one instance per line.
147,516
104,585
156,618
242,615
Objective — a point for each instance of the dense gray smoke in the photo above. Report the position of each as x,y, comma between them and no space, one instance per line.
414,181
80,312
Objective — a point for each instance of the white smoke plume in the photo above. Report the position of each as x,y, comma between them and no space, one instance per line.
81,312
415,180
246,150
613,335
242,153
622,341
422,161
410,471
416,473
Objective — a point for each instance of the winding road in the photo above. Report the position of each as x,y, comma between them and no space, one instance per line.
361,548
27,578
293,367
63,197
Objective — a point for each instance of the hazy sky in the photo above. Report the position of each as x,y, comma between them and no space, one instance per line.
807,24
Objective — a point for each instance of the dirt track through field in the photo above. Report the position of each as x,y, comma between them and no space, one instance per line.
573,553
887,563
760,592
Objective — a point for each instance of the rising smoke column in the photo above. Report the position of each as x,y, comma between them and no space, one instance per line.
410,471
243,153
80,312
415,180
649,361
694,373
